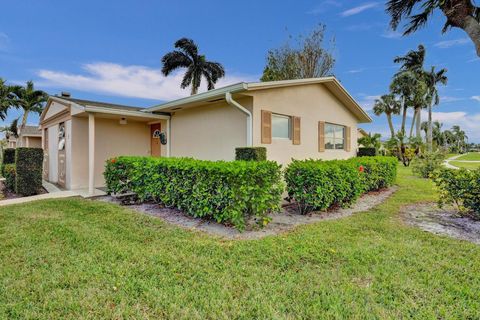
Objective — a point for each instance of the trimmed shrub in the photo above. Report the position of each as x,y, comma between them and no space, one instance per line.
251,153
319,185
366,152
9,174
29,162
8,157
380,172
460,188
426,163
228,192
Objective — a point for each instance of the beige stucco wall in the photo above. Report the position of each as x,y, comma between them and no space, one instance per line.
32,142
209,132
111,140
312,103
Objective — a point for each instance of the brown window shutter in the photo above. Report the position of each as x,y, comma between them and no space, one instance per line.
296,130
321,136
348,139
266,127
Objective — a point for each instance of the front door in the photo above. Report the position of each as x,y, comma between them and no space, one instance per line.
155,130
62,163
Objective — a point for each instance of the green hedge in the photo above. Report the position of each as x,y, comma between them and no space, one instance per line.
29,163
228,192
251,153
8,157
9,174
461,188
319,185
366,152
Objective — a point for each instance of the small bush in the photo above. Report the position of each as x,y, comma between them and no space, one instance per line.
8,157
460,188
29,162
319,185
9,175
426,163
367,152
228,192
380,172
251,153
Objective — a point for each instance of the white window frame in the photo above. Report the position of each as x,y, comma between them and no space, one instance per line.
289,118
344,138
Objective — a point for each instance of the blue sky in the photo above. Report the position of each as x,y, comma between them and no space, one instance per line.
111,50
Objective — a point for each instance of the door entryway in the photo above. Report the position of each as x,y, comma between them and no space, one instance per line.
62,163
155,145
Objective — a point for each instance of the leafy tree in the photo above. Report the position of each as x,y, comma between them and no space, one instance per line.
28,99
187,56
433,78
388,105
463,14
5,99
459,138
308,59
371,141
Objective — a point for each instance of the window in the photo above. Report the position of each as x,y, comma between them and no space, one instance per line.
281,126
334,136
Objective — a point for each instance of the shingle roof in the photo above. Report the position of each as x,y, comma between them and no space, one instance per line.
31,131
100,104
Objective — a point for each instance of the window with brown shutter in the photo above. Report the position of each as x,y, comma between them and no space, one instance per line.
266,131
321,136
296,130
348,140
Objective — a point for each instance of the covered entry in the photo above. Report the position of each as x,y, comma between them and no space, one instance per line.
80,135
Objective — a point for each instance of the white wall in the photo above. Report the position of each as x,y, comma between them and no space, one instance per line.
53,154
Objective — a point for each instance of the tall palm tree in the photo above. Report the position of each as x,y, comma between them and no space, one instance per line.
5,99
197,66
460,137
388,105
413,62
29,100
404,85
432,79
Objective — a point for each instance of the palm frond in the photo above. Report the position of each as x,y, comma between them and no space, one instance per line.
175,60
188,46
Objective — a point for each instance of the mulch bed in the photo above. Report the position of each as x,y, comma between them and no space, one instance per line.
6,195
284,221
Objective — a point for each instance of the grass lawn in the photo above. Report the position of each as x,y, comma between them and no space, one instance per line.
473,156
466,165
74,259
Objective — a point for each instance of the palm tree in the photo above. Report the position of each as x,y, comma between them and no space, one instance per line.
28,99
197,66
463,14
413,62
432,79
371,141
404,85
460,137
5,99
388,105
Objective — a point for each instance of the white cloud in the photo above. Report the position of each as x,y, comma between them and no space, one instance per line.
451,43
127,81
468,122
477,98
4,41
325,6
450,99
356,70
359,9
390,34
367,102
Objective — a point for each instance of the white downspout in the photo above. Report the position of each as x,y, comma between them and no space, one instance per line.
230,101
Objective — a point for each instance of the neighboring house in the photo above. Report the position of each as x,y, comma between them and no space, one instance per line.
11,142
28,137
294,119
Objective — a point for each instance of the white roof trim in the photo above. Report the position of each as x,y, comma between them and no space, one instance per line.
131,113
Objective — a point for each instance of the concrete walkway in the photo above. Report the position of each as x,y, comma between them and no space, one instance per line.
447,164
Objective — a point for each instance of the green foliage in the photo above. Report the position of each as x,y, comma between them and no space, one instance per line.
461,188
251,153
364,152
9,174
29,162
228,192
426,163
319,185
8,157
370,141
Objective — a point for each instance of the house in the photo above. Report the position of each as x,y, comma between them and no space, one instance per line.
293,119
28,136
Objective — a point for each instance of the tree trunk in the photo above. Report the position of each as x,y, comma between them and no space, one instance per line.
414,118
404,119
24,119
390,124
419,123
472,28
194,90
429,130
